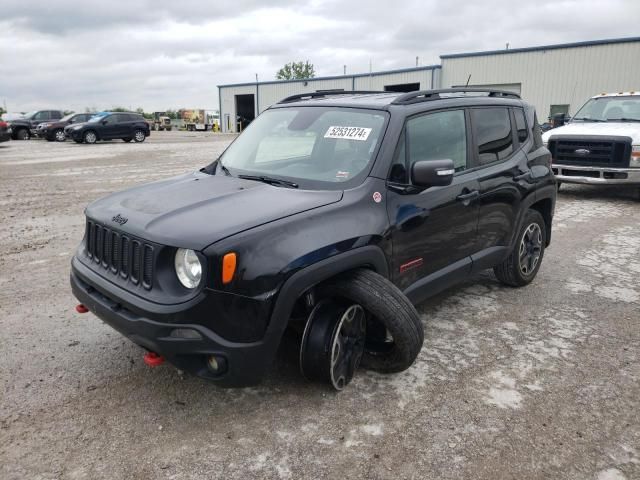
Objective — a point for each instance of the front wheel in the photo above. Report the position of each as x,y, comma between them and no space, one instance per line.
90,137
139,136
394,329
59,136
522,265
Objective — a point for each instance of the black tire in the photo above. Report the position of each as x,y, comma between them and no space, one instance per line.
385,305
139,136
127,139
22,134
90,137
510,272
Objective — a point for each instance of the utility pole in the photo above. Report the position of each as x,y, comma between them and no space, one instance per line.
417,61
344,69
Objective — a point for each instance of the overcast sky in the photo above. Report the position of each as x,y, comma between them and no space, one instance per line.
157,54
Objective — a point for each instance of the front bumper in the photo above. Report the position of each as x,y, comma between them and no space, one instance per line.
5,136
596,175
137,319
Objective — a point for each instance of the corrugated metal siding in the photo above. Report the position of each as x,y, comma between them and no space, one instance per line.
553,77
274,92
228,104
378,82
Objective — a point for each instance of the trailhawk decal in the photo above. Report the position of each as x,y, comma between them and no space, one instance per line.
348,133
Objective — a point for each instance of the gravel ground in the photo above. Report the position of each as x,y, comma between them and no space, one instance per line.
540,382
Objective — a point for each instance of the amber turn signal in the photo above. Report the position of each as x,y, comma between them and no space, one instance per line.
228,267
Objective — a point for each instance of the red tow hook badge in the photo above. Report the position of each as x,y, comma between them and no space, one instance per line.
80,308
152,359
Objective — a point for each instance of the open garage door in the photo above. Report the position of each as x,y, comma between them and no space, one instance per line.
245,111
509,87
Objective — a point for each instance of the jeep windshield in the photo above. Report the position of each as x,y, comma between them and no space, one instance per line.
610,109
315,147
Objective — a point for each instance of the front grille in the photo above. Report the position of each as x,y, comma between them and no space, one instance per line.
613,152
120,254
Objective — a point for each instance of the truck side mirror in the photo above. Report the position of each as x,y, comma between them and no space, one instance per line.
432,173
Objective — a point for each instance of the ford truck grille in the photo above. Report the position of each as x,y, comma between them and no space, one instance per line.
613,152
120,254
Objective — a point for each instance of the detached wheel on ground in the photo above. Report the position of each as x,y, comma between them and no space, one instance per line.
139,136
90,137
393,334
522,265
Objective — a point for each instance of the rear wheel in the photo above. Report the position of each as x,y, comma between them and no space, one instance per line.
23,134
90,137
521,267
139,136
58,135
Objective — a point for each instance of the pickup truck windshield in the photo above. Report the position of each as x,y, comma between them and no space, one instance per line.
319,147
610,109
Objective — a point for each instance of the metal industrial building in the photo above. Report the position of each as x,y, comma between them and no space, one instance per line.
554,78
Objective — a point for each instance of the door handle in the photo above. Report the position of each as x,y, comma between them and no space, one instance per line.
466,198
522,176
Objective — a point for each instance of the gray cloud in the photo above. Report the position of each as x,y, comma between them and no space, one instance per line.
157,55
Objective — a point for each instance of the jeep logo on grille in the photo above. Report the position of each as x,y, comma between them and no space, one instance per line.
119,220
582,152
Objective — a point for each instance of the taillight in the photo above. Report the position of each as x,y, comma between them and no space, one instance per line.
4,124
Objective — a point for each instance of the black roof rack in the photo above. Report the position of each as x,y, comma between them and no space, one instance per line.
428,95
327,93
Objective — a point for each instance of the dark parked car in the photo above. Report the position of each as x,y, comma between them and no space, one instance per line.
23,128
109,126
54,130
330,217
5,131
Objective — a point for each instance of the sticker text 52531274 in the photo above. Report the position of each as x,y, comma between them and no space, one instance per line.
348,133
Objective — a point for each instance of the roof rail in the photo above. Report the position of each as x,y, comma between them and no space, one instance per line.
428,95
327,93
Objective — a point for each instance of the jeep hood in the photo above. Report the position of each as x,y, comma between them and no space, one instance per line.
622,129
197,209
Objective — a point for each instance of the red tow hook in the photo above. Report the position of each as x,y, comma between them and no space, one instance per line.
152,359
80,308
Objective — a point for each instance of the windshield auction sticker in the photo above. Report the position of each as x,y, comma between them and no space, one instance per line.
348,133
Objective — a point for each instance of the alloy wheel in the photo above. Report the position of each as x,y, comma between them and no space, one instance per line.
530,249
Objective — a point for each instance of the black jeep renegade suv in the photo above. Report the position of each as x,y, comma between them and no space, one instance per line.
330,216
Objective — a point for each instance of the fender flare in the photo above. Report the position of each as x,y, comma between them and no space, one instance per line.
368,256
545,193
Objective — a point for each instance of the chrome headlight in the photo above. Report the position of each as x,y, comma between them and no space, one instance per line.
188,268
635,156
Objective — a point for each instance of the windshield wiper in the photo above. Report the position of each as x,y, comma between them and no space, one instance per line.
584,119
269,180
224,169
623,119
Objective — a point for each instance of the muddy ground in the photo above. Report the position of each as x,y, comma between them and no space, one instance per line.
540,382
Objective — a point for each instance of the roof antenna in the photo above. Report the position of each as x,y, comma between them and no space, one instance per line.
467,84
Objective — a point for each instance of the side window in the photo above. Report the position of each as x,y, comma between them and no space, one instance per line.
521,125
122,117
434,136
110,119
55,115
492,127
41,116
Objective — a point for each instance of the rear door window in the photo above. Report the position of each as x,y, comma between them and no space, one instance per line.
492,130
521,125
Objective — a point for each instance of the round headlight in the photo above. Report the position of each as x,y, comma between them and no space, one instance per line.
188,268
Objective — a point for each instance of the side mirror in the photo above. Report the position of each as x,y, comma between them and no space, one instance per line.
103,122
558,119
432,173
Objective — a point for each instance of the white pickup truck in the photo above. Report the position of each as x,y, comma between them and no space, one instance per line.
601,143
